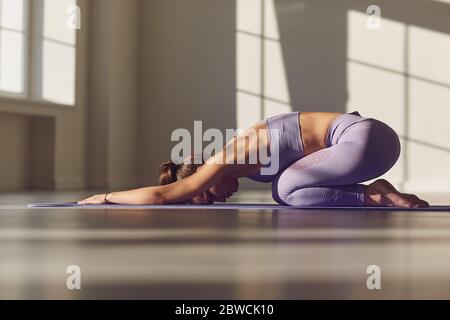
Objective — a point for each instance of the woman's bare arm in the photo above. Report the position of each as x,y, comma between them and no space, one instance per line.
177,192
146,195
220,165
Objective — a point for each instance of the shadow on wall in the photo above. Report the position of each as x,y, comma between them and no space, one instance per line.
187,63
313,36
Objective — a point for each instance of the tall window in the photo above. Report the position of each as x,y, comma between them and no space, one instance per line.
37,50
12,46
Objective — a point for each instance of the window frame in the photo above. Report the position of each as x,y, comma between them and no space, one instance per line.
32,58
25,32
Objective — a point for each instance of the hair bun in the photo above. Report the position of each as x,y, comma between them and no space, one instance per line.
168,172
171,172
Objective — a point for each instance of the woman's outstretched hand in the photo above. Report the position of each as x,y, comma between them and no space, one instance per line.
97,199
382,193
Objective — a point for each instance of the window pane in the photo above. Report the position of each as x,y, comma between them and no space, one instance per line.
58,73
12,14
55,21
11,61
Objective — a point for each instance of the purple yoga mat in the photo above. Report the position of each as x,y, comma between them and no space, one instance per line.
230,206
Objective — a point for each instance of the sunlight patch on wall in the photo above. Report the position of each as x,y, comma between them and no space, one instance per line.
275,83
262,88
375,80
376,63
270,20
376,93
273,108
383,47
250,112
428,152
429,111
249,14
429,55
400,75
248,63
379,94
435,175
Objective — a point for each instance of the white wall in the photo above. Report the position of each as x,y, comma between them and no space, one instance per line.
13,146
112,115
187,73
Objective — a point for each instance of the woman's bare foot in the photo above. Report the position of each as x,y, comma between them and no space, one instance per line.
382,193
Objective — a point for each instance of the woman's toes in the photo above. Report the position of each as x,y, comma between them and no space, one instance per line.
406,200
381,192
416,202
400,201
424,204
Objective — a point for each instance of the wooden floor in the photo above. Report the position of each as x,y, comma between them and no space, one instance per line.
215,254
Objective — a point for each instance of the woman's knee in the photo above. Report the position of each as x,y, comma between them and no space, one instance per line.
391,142
284,191
280,190
392,146
279,195
297,197
383,148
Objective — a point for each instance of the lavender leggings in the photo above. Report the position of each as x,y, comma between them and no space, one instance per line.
358,149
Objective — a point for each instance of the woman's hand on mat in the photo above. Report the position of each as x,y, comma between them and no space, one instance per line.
97,199
382,193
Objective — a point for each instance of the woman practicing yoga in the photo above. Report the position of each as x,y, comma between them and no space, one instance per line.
322,159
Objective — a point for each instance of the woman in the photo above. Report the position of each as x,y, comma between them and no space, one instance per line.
323,158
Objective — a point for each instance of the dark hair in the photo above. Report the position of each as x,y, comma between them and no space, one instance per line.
170,172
